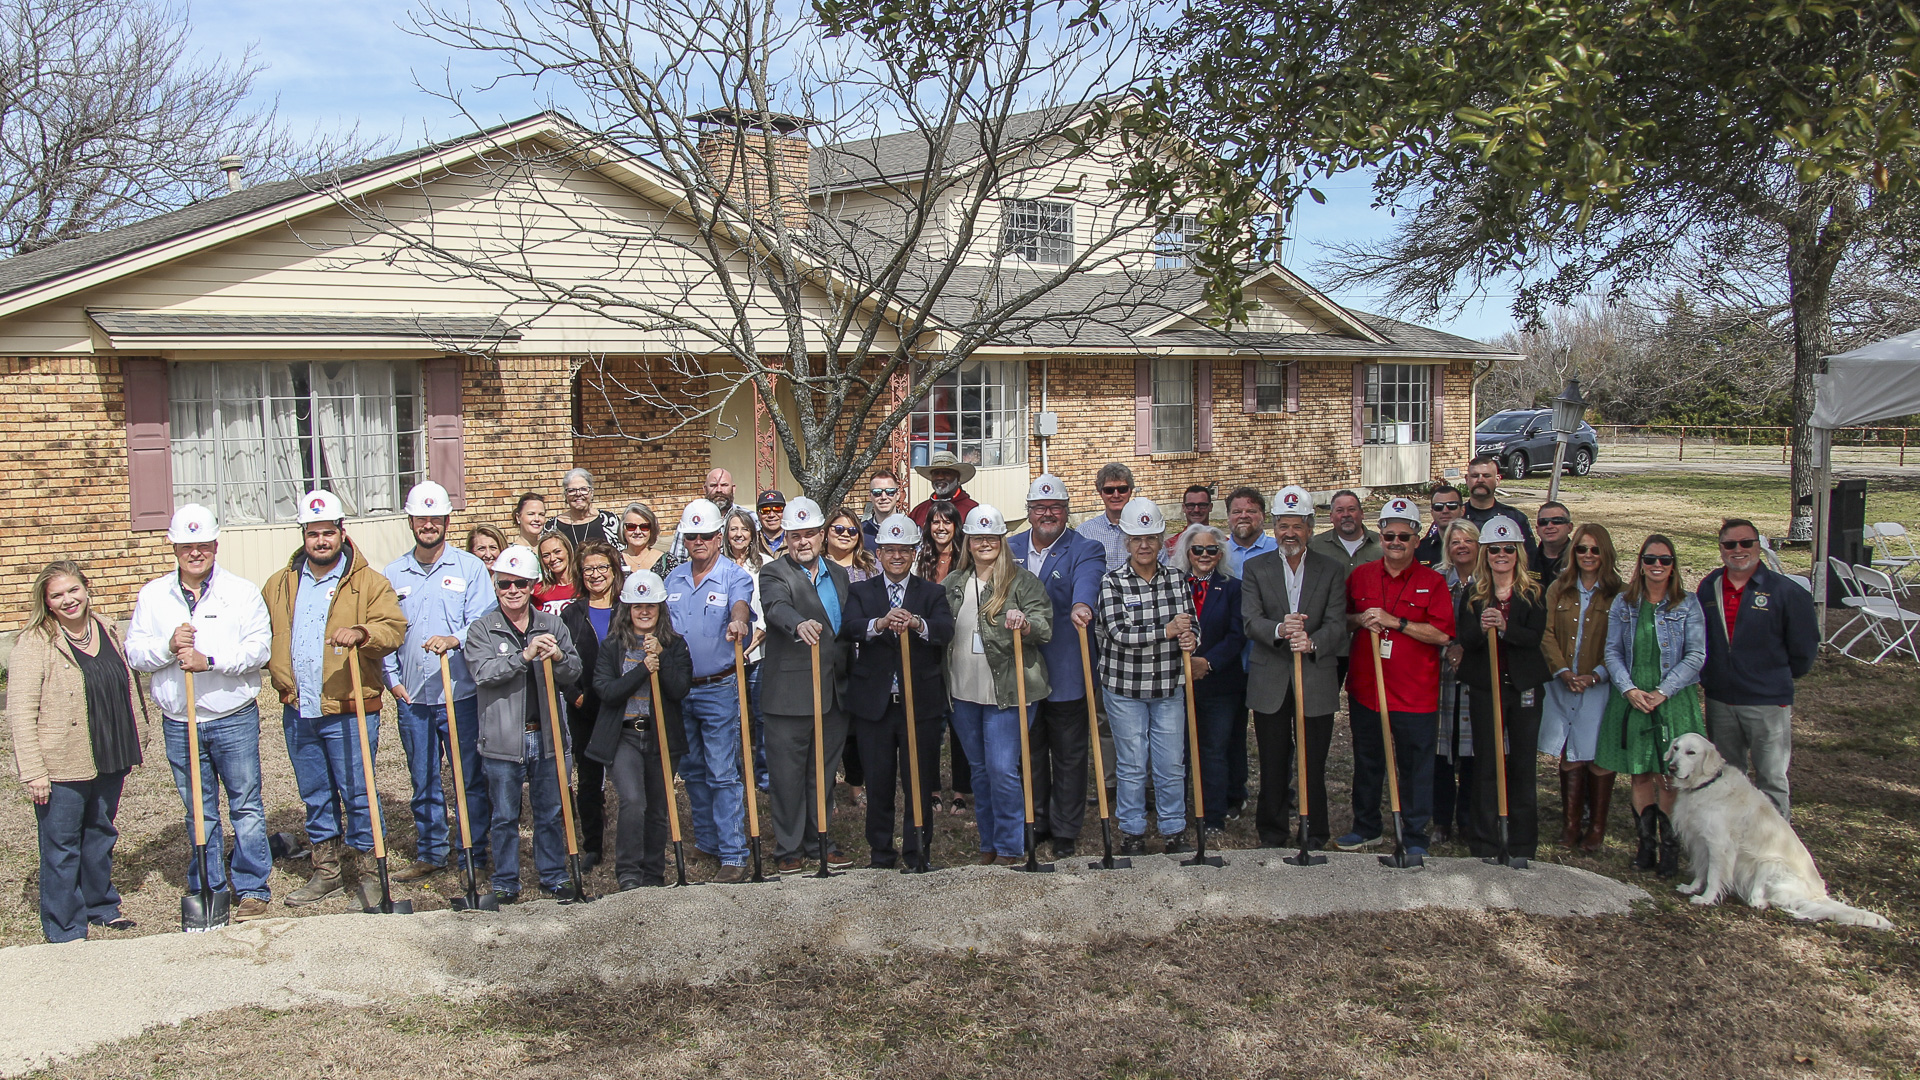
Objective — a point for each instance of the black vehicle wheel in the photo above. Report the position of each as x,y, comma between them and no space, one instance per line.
1582,461
1517,465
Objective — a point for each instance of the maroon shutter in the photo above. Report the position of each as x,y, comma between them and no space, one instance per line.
1439,432
1359,404
1203,407
1293,386
149,443
446,449
1249,386
1143,406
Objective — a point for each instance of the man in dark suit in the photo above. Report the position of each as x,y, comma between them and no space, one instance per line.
1070,567
1292,601
804,597
878,609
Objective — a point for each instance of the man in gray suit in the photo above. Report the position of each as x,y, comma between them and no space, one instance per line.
802,595
1293,601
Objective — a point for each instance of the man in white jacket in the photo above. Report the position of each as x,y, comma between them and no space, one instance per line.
213,623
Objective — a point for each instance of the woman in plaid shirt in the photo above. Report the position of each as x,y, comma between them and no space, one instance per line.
1144,622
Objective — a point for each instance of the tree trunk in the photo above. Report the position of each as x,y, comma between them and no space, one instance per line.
1817,234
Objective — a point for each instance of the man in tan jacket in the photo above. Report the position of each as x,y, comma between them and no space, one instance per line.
326,601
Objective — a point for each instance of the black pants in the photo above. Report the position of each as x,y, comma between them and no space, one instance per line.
1237,759
958,765
1414,736
850,765
1453,794
590,781
1058,744
641,830
1523,803
883,750
1272,818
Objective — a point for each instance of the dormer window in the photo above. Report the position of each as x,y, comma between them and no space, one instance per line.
1037,230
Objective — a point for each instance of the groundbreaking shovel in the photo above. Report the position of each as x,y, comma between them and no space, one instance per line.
577,878
819,768
1033,864
387,905
1107,861
206,909
1200,856
1306,856
746,762
1400,858
920,826
1506,856
475,900
666,779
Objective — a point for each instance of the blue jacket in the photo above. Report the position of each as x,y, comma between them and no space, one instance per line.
1223,639
1775,640
1071,575
1682,629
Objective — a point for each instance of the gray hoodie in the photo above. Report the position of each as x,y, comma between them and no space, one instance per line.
500,671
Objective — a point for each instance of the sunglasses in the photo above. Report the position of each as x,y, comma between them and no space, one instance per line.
639,526
1115,490
846,530
1502,549
1397,537
885,493
1555,521
1656,560
1208,550
1586,549
1729,545
1448,506
512,585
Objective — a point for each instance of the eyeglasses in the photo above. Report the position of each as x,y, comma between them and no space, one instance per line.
512,585
846,530
1729,545
1656,560
1449,506
885,493
1396,537
1586,549
595,569
1501,549
1204,550
1555,521
579,491
1122,490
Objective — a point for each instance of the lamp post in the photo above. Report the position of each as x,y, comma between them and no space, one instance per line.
1568,409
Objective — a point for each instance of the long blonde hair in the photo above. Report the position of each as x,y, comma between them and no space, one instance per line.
1523,583
999,579
41,618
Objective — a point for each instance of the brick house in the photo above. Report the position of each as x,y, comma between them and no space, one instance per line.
239,350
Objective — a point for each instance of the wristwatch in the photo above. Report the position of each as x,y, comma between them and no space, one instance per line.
1403,624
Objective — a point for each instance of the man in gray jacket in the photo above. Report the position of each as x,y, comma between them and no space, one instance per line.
802,594
505,651
1293,602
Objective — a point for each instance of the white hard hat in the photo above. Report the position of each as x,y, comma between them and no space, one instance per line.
643,587
1400,508
428,499
984,520
897,529
802,513
193,524
320,505
1501,530
1047,488
518,561
1293,501
701,517
1142,517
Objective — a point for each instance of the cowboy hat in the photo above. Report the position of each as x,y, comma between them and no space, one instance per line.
944,459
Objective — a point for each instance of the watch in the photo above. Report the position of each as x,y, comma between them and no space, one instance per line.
1403,624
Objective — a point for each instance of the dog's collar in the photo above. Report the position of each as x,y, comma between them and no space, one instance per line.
1710,783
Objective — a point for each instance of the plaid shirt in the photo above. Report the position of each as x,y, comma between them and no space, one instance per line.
1137,659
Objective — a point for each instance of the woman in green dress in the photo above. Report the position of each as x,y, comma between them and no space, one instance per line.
1656,644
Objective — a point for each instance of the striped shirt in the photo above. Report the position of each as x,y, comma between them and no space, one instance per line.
1137,659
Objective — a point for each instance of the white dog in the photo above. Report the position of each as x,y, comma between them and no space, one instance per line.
1738,843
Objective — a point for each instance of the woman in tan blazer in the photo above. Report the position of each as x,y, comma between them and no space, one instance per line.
71,700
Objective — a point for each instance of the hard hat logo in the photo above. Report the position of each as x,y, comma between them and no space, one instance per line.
316,504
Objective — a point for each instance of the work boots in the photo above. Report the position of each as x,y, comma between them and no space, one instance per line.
1648,855
1599,801
1573,801
326,879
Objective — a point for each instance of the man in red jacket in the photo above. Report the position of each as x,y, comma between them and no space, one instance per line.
946,473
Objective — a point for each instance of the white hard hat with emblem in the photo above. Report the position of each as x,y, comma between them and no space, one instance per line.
802,513
643,587
1501,530
428,499
701,516
1142,517
320,505
1047,488
518,561
193,524
897,529
1400,508
1293,501
984,520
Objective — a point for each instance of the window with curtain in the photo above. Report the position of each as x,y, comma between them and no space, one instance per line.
1036,230
1175,241
1399,404
1172,406
1269,386
977,412
249,438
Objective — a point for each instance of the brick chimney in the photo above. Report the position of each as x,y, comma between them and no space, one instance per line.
736,147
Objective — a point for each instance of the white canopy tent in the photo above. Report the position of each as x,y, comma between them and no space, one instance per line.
1880,381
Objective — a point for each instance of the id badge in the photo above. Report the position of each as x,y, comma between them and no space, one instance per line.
1386,648
1526,699
978,645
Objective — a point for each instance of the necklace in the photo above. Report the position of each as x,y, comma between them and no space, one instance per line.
82,640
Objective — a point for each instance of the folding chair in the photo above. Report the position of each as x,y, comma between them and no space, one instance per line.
1893,551
1891,625
1852,598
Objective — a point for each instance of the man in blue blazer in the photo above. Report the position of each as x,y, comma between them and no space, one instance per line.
878,609
1070,567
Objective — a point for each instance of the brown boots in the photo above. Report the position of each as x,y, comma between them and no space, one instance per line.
1573,804
1584,796
326,879
1599,801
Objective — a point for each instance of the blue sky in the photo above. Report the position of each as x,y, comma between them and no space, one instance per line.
336,63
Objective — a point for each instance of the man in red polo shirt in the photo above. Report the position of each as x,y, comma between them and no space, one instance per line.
1412,610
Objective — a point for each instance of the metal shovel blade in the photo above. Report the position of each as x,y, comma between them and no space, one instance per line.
383,902
1307,857
1401,859
204,910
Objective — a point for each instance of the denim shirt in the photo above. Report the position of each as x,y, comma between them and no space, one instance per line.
1682,630
311,606
438,600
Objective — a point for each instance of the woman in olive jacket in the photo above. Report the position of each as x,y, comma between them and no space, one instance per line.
1503,605
640,642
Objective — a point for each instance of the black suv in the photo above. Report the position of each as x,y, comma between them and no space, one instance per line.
1523,441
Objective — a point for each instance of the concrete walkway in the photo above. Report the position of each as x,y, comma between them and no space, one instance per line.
65,999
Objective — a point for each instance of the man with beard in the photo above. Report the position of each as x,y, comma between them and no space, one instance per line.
946,473
1447,504
1246,525
1349,542
719,491
1483,480
1556,525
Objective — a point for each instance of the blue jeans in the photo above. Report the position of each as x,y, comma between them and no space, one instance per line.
423,735
1219,717
229,755
76,856
325,752
711,714
1149,733
1414,738
991,738
549,834
760,778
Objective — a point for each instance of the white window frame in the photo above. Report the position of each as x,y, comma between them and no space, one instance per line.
978,412
250,474
1037,230
1269,386
1173,245
1174,406
1399,402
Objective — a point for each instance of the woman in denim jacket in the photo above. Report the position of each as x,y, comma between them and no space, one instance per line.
1656,645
